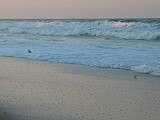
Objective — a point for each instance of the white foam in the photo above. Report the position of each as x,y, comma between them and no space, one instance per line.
42,37
122,30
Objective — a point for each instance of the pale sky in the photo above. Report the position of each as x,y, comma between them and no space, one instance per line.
79,8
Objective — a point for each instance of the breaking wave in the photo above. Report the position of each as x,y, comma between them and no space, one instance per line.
121,29
132,44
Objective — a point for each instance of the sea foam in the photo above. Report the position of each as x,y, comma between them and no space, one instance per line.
123,44
122,30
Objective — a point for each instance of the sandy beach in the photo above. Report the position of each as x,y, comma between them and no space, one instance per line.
40,90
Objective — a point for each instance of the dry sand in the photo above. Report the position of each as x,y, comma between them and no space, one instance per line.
37,90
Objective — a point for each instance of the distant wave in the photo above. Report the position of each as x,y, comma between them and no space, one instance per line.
122,29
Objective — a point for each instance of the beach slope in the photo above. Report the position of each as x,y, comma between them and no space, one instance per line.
38,90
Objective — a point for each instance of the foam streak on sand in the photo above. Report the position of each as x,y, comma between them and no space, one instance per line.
39,90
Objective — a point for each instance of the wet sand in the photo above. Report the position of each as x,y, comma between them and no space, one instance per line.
38,90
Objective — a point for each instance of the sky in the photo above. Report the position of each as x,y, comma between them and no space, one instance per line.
57,9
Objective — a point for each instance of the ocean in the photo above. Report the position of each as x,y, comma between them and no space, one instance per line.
131,44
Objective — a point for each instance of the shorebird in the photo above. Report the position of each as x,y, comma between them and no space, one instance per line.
29,51
135,76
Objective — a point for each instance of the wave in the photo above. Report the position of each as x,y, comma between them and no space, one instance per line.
40,36
122,29
153,69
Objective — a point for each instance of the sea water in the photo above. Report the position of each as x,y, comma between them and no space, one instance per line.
132,44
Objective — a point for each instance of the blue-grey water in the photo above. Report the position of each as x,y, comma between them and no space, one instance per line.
132,44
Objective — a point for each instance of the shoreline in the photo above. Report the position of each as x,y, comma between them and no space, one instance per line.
72,65
32,89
